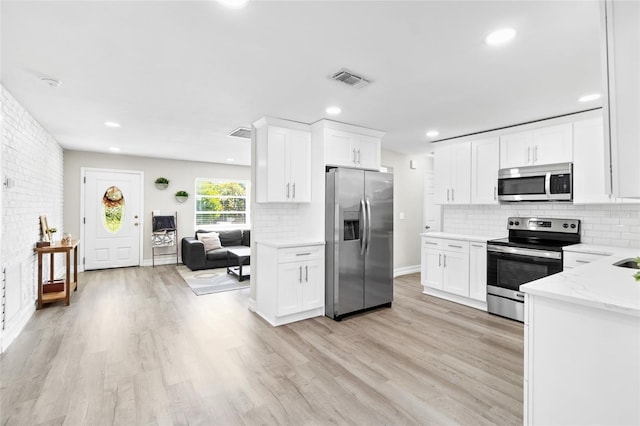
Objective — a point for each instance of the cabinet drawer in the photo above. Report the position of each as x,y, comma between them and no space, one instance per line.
296,254
573,259
455,245
432,243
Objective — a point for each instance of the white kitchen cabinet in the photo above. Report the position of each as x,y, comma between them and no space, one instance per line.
291,281
478,271
446,265
545,145
452,174
589,168
621,68
283,166
352,150
485,162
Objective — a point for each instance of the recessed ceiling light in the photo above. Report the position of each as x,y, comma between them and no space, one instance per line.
51,81
432,133
590,97
333,110
111,124
234,4
501,36
230,160
114,149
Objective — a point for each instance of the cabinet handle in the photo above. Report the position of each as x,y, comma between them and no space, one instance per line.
306,273
535,154
300,269
495,192
476,245
303,254
358,156
353,157
453,197
528,154
294,190
430,243
454,246
447,194
444,264
439,259
287,191
582,261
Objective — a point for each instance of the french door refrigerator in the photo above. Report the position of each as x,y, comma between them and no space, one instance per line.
359,241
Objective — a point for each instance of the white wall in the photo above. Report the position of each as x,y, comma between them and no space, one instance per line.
407,198
181,175
610,225
33,160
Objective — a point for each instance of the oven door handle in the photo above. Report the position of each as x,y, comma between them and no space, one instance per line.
547,184
525,252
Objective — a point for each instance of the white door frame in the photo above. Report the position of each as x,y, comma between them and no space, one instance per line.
83,173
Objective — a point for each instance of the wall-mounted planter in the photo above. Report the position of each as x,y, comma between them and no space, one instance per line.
182,196
162,183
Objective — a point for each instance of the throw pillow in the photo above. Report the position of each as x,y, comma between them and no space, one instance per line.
210,240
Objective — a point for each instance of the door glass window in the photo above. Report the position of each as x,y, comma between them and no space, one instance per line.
112,209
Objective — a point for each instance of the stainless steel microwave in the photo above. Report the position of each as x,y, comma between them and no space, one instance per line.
549,182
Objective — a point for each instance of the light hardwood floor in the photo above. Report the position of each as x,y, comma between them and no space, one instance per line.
136,346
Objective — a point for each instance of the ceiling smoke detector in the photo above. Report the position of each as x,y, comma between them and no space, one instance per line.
347,77
241,132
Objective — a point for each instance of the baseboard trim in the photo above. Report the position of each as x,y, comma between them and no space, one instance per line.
406,270
252,304
455,298
162,261
10,334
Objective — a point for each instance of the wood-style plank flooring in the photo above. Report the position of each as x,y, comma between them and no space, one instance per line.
136,346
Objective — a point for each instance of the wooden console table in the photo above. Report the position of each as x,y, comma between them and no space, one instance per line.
68,283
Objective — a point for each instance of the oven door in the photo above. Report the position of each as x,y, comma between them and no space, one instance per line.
523,188
508,268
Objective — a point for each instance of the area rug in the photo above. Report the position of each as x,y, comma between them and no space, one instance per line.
211,280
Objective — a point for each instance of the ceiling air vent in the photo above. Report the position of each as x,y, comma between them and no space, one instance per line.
351,79
241,132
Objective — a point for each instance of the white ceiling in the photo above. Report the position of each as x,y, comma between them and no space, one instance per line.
179,76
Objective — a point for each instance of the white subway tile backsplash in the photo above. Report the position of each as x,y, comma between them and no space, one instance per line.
607,224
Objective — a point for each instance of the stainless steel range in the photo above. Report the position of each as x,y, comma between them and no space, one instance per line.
533,250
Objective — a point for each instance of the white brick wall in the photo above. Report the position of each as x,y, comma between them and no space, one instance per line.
33,160
611,225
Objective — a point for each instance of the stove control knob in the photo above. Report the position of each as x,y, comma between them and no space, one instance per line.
565,226
573,226
511,222
517,223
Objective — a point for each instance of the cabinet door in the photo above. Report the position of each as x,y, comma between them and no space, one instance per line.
432,268
461,173
553,144
478,271
299,147
277,164
338,150
455,267
313,285
515,150
442,175
367,151
485,162
290,277
589,162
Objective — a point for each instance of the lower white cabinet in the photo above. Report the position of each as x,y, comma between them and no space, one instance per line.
289,281
455,270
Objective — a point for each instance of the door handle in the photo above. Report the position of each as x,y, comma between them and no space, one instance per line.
300,277
363,239
306,273
136,224
427,227
368,224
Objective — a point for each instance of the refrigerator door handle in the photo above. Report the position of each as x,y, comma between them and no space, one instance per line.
363,241
368,224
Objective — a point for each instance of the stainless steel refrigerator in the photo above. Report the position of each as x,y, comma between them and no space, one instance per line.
359,235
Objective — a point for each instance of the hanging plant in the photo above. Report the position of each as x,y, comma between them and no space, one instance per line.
182,196
162,183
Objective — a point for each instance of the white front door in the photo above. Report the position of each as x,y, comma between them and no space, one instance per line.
112,218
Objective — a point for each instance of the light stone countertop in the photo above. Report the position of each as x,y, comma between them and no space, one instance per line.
593,249
463,237
598,284
289,244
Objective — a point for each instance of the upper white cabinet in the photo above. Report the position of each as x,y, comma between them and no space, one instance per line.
485,162
452,174
283,167
589,168
546,145
621,22
349,146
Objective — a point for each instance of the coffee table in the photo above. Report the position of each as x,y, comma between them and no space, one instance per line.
240,255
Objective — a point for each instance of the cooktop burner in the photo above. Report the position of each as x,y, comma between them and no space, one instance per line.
540,234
